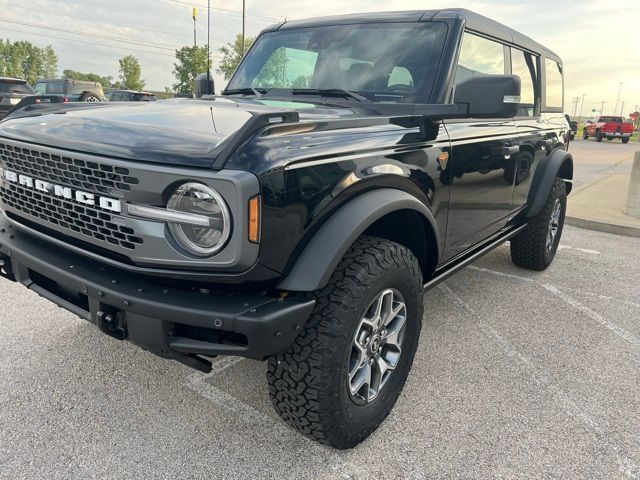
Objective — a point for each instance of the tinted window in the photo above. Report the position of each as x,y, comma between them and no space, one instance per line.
554,96
479,56
611,119
287,68
524,65
51,88
360,58
15,87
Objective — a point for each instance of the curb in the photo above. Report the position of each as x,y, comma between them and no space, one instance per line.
616,229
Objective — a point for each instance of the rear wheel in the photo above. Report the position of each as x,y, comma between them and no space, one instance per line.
344,373
89,97
536,246
625,140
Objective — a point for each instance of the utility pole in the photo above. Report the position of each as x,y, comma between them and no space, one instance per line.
581,105
575,101
602,108
622,109
617,99
194,15
244,9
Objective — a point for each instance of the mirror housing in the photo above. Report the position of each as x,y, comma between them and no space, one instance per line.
489,96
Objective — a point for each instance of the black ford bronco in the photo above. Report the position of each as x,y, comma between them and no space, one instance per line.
351,163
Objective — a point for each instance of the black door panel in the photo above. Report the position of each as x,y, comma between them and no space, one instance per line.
481,176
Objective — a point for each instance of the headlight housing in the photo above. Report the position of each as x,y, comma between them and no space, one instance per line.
199,199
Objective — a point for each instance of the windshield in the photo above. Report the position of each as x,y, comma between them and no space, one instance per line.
382,62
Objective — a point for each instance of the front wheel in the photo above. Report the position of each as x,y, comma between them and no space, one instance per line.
598,137
585,134
345,371
535,247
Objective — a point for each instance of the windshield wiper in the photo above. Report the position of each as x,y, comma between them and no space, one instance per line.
330,92
246,91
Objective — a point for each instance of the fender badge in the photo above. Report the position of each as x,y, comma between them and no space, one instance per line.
443,159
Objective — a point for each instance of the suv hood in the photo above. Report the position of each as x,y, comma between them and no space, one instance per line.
177,131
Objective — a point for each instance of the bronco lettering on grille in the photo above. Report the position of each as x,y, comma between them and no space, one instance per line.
79,196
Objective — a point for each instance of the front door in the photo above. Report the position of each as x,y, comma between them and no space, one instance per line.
480,173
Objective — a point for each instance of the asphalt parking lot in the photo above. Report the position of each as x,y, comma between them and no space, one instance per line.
518,374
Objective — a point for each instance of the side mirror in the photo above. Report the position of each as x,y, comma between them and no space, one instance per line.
489,96
203,87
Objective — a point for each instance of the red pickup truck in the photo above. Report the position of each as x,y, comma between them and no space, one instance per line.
609,128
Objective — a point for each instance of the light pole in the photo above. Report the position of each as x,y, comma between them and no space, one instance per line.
622,109
581,105
617,99
194,15
602,108
208,45
243,23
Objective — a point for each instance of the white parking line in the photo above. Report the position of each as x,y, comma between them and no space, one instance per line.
501,274
626,466
619,331
204,385
583,250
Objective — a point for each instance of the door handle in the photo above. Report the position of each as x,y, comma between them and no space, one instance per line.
508,151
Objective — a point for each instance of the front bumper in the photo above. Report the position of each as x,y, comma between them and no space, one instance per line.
169,320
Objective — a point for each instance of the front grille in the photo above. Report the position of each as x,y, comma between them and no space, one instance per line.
81,219
65,170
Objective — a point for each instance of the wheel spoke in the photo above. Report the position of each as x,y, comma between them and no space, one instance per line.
361,379
377,345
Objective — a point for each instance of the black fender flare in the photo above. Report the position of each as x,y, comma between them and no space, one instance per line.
318,260
559,163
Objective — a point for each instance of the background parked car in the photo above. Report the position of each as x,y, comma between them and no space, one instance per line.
12,90
608,127
573,125
129,96
71,90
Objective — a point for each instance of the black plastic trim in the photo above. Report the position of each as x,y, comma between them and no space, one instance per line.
322,254
543,180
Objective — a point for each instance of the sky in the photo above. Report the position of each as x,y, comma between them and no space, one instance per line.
598,41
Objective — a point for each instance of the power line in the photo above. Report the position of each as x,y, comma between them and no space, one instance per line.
217,9
89,43
92,35
102,22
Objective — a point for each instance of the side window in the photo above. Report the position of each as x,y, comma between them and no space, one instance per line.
553,88
479,56
287,68
524,65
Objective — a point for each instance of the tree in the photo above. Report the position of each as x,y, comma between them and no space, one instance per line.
191,61
130,74
24,60
232,54
106,82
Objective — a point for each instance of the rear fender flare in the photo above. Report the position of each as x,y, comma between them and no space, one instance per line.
320,257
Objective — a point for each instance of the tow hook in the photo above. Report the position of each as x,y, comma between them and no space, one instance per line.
111,323
5,268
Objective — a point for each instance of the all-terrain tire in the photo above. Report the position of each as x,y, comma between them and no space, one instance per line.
530,248
308,384
89,97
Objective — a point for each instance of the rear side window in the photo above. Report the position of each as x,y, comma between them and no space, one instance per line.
554,90
524,65
15,87
479,56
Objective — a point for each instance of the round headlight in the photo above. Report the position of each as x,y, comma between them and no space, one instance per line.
199,199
